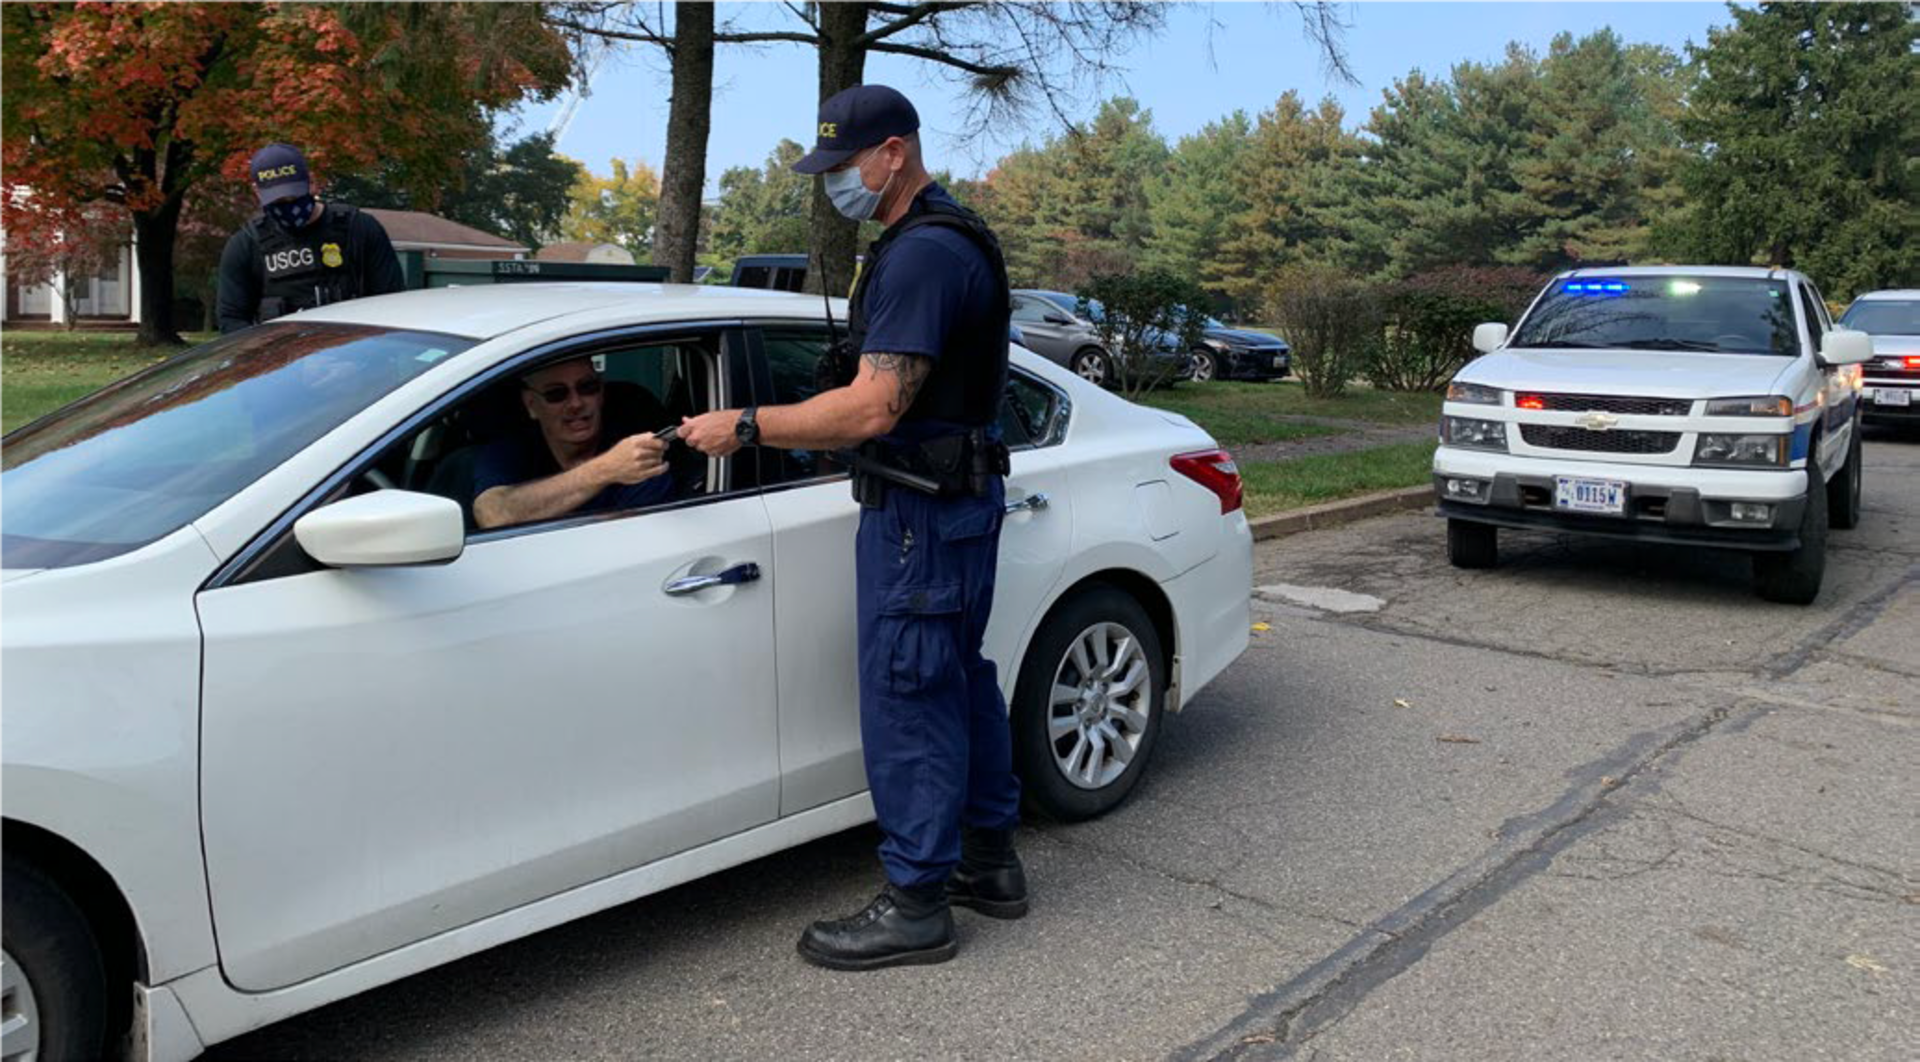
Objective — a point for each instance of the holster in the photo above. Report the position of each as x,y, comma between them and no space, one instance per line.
961,465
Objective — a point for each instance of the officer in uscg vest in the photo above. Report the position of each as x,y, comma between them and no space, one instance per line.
929,325
300,253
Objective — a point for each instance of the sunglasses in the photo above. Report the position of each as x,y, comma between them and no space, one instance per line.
555,394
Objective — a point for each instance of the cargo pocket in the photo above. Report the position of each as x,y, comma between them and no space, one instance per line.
922,626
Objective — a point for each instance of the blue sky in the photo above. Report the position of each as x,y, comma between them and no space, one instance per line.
1211,59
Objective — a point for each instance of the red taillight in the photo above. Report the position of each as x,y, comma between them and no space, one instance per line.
1913,363
1214,470
1530,402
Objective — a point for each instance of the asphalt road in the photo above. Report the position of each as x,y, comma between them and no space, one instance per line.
1601,802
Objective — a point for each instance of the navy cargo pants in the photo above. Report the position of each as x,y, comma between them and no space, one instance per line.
933,723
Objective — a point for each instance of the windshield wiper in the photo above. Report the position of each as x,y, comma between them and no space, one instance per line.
1563,344
1674,344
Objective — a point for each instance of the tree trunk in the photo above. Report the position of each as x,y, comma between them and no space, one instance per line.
842,65
684,174
154,233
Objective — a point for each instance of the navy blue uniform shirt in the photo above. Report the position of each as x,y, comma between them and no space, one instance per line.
510,462
930,280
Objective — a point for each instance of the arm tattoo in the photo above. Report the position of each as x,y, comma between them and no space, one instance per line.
910,370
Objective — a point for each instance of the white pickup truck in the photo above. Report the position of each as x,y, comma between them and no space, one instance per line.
1703,405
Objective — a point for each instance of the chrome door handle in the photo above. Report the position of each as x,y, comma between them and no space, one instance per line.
693,584
1031,503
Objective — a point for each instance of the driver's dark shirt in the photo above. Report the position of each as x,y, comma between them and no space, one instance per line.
510,462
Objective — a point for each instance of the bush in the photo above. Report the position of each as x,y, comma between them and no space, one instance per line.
1428,322
1330,318
1145,311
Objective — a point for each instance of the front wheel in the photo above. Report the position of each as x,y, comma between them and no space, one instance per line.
1793,577
1092,366
1206,366
1086,711
1843,494
1472,545
52,976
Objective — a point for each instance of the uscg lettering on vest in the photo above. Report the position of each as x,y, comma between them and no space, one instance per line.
289,260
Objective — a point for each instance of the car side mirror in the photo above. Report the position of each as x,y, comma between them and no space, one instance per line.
1056,319
1488,337
1844,346
383,529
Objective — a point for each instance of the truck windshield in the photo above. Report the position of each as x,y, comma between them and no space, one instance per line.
1705,314
1884,317
142,458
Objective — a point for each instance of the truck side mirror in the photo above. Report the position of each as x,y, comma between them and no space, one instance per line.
1488,337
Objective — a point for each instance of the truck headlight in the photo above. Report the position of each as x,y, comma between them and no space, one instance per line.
1473,434
1475,394
1767,406
1742,451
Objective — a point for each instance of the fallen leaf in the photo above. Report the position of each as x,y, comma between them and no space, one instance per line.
1259,1038
1608,781
1261,628
1865,962
1456,739
1400,702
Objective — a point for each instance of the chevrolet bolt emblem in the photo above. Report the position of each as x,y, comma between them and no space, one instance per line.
1598,421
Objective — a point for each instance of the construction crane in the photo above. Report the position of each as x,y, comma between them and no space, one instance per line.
558,127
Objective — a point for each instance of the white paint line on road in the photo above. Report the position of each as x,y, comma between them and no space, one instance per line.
1324,598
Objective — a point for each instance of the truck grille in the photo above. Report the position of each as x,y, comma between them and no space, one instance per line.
1644,407
1549,437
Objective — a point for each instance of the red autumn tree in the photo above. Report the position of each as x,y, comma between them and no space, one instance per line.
63,247
137,105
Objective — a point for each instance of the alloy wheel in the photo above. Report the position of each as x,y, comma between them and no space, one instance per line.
1098,711
19,1013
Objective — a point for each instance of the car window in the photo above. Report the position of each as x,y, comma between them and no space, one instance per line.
793,354
1884,317
751,276
1816,320
1666,312
1034,414
142,458
1025,309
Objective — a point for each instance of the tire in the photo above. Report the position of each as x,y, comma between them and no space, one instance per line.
1472,545
1793,577
1843,494
1044,753
54,973
1206,366
1092,365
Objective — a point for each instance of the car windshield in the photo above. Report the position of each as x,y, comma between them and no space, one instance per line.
1884,317
1707,314
144,457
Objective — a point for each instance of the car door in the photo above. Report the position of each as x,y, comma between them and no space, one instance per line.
1839,387
391,753
814,519
1045,337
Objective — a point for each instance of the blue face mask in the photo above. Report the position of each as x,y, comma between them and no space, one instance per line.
850,195
290,214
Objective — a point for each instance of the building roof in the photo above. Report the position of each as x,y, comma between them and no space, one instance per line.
413,230
585,251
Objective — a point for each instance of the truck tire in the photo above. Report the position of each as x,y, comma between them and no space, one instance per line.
1472,545
1843,494
1793,577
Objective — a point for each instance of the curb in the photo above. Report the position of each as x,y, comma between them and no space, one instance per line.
1345,511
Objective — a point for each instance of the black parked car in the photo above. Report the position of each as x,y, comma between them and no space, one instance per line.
1084,356
1239,354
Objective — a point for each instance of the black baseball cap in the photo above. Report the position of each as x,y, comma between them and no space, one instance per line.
279,171
854,120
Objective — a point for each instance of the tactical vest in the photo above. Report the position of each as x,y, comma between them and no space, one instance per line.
970,375
308,269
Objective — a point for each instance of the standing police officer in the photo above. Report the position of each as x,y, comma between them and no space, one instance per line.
929,320
300,253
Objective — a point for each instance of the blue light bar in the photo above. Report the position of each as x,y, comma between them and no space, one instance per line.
1595,287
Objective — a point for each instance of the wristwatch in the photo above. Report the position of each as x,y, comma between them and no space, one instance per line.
747,429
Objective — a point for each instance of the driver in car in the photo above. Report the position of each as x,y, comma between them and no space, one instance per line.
572,467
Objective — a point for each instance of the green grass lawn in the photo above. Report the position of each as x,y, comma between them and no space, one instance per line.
1276,486
42,371
1242,413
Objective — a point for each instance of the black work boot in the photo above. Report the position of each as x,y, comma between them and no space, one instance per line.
901,927
989,878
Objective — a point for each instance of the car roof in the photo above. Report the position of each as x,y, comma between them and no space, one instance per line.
1758,272
784,258
484,311
1889,295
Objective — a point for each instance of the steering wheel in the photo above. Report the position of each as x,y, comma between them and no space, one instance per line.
379,479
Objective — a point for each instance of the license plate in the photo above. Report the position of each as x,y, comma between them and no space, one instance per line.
1280,362
1892,396
1576,495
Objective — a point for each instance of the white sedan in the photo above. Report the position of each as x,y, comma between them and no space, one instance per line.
282,725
